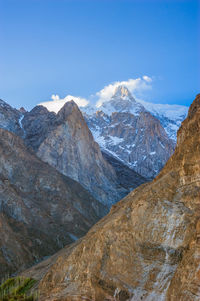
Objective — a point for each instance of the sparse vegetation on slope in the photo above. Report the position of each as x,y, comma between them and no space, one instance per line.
17,288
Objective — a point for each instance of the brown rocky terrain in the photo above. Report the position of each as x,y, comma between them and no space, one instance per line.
147,247
41,210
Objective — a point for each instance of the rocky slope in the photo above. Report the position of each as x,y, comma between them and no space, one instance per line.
127,177
147,247
40,209
65,142
125,129
170,116
10,118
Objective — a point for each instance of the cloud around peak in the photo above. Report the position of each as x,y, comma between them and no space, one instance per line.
137,85
57,103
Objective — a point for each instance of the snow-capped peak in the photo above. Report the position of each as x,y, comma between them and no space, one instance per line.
121,101
122,91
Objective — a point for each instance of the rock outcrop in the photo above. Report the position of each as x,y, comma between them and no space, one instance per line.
41,210
10,118
64,141
147,247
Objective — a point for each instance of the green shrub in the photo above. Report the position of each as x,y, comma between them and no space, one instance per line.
17,288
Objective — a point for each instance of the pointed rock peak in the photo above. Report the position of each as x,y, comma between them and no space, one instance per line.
22,110
122,91
195,107
70,107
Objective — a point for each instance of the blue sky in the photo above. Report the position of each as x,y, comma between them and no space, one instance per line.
78,47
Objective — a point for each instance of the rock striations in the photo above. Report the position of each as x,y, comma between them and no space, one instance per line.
148,246
41,210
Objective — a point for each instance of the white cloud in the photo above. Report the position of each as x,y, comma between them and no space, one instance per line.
137,85
147,78
57,103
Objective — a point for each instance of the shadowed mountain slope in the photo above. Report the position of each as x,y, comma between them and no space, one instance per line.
41,210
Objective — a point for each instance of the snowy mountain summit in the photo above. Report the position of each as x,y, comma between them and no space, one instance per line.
170,116
121,101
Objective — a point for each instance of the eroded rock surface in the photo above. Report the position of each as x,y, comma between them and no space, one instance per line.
147,247
41,210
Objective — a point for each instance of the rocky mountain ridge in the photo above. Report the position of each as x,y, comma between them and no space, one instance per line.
65,142
147,247
113,123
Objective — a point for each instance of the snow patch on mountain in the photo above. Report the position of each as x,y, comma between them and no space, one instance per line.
170,116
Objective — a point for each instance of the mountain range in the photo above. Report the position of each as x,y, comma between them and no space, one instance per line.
57,183
147,247
141,135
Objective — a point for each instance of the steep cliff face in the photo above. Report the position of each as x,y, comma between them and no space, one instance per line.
65,142
40,209
37,124
126,130
10,118
147,247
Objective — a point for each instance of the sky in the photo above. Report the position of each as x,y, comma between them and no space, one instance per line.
79,48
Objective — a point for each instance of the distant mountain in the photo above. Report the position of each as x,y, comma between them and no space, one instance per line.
141,135
170,116
125,129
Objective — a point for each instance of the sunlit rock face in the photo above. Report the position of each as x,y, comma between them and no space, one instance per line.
41,210
147,247
65,142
